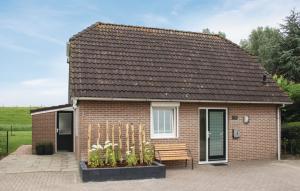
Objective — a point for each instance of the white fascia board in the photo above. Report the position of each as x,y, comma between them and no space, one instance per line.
176,100
53,110
165,104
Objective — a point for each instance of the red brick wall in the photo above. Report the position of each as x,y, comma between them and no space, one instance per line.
258,138
43,128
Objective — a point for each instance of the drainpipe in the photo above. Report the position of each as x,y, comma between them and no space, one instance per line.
279,132
75,128
74,103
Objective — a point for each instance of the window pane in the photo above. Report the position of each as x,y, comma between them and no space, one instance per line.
202,135
168,121
65,123
164,120
161,121
155,120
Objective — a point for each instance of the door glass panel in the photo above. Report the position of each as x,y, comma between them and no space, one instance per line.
216,134
202,135
65,124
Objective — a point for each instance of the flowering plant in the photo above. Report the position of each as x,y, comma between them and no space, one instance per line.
131,158
110,156
95,159
148,153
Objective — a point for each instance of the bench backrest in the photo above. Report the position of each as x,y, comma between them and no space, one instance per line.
170,147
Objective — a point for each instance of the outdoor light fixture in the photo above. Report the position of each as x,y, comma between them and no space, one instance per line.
246,119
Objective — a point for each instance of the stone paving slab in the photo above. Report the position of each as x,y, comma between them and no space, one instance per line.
16,163
237,176
23,150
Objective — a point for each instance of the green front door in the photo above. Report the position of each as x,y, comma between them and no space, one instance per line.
216,135
212,135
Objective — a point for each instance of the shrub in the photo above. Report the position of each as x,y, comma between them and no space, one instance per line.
95,159
131,158
44,148
49,149
40,149
291,139
110,154
148,153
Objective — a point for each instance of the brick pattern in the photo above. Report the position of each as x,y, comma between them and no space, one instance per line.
258,138
43,128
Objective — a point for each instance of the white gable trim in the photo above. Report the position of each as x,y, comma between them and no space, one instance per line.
53,110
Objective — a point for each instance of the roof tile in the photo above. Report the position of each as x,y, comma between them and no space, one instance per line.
120,61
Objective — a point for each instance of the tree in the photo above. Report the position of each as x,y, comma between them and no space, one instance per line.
278,49
264,42
290,47
290,112
220,33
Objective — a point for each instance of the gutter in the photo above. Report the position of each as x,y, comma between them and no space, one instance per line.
173,100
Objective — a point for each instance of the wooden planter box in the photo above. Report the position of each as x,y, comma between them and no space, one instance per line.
156,170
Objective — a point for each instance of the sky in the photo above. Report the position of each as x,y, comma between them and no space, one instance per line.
33,34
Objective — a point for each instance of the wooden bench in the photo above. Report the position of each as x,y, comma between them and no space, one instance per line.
172,152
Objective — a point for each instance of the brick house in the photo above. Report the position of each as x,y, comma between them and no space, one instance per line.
186,87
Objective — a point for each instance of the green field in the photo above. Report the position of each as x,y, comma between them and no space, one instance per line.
17,139
19,119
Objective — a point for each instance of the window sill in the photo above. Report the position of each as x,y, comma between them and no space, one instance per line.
163,138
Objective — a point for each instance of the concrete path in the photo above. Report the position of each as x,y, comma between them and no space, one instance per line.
23,150
60,172
24,163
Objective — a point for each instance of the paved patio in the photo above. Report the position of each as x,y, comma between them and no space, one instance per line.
23,162
60,172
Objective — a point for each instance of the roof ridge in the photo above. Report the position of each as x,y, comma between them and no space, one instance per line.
186,32
84,30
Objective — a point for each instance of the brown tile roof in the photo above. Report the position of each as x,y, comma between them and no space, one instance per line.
120,61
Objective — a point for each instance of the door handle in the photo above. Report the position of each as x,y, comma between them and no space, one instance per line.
57,130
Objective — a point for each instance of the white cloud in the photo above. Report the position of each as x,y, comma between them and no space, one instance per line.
35,82
16,47
29,31
51,88
238,22
35,92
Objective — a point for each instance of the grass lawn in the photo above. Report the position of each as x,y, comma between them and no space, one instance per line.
294,124
17,139
18,117
20,120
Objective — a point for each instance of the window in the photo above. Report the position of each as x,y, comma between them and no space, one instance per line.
164,117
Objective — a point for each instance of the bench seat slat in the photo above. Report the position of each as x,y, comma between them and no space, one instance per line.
174,158
172,152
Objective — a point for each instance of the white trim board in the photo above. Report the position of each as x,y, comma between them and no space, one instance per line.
164,104
278,133
174,100
53,110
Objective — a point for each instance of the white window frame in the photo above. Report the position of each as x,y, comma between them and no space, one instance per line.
172,135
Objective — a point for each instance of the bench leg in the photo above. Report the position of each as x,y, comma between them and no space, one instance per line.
192,164
185,163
